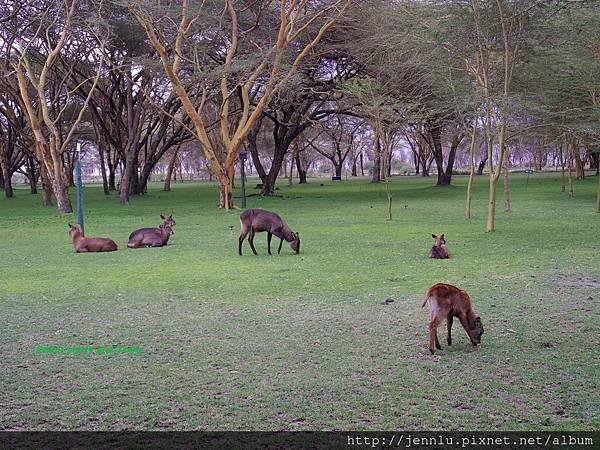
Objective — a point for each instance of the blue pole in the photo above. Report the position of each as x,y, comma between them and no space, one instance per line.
79,194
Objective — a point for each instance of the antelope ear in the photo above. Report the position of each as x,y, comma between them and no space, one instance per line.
162,217
70,226
171,216
433,236
442,236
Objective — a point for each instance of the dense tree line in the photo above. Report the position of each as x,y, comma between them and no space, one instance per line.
164,87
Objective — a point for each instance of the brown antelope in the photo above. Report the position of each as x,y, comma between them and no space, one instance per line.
90,245
446,302
153,237
257,220
439,250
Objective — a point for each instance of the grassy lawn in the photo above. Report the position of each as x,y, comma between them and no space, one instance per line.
302,342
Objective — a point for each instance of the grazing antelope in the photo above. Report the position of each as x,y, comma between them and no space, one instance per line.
90,245
257,220
446,302
439,250
153,237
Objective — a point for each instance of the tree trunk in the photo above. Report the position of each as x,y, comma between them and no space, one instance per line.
436,139
46,187
282,145
468,214
170,170
376,178
362,167
491,218
103,170
385,170
570,170
32,175
338,168
416,162
579,166
141,186
225,194
301,171
481,166
596,162
112,167
6,175
70,169
128,178
562,164
507,207
388,168
61,191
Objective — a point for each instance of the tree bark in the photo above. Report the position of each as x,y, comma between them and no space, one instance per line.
362,166
46,187
579,166
301,171
377,150
6,175
507,207
562,164
354,156
32,175
112,168
570,171
127,180
468,213
596,162
481,165
172,163
103,170
436,139
376,177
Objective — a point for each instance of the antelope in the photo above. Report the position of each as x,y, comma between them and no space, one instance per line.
439,250
153,237
446,302
90,245
257,220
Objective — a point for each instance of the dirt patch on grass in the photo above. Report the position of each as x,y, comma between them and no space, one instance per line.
580,282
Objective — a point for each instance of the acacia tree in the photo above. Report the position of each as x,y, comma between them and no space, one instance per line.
562,79
178,35
337,140
40,87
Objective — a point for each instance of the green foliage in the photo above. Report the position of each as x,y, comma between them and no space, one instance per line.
303,341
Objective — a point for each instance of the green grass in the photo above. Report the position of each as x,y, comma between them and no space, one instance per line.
298,342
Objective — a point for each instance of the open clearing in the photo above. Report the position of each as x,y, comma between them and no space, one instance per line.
304,342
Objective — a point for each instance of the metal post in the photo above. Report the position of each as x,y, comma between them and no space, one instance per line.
243,156
79,189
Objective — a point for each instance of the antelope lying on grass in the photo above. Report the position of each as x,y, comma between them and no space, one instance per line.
90,245
257,220
446,302
153,237
439,250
